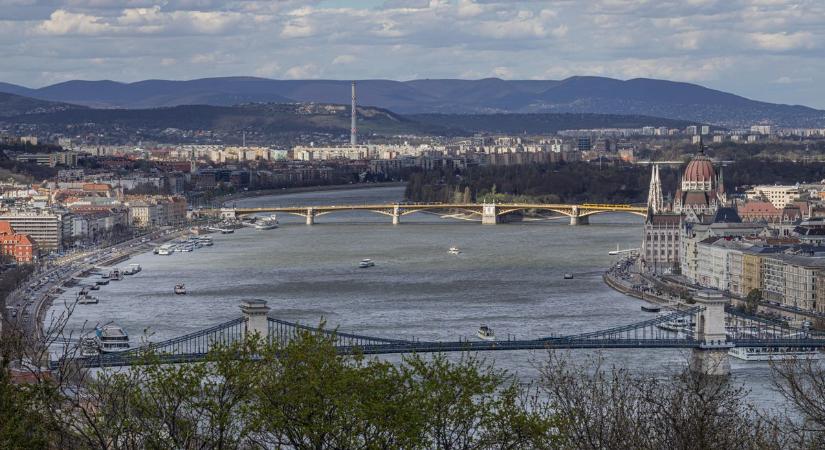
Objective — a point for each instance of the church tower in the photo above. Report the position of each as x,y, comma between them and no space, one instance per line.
655,199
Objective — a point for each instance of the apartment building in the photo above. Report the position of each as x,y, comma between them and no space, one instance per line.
779,196
48,230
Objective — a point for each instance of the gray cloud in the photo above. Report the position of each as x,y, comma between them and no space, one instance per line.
765,49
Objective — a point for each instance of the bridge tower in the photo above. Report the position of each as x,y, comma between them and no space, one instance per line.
396,214
577,219
255,312
310,216
489,214
711,357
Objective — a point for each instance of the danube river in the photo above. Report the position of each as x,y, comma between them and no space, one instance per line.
508,276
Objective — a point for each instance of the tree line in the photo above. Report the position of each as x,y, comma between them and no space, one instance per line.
305,395
581,182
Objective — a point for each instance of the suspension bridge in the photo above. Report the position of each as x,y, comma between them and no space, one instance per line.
489,213
709,330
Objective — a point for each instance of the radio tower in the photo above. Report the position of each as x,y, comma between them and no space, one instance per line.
353,131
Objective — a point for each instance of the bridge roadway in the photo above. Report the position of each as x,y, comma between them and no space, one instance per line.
489,213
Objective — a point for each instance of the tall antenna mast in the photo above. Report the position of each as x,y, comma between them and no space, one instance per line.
353,132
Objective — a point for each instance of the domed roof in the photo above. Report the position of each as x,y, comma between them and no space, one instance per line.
700,168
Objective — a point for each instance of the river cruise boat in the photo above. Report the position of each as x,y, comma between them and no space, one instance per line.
166,249
454,250
180,289
87,299
266,223
365,263
773,353
112,339
678,324
486,333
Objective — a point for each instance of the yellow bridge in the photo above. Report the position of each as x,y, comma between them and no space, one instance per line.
490,213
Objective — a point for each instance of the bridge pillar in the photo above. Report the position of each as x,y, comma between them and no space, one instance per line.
396,214
711,357
255,312
577,219
310,216
489,214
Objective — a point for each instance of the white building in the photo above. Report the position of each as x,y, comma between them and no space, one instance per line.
779,196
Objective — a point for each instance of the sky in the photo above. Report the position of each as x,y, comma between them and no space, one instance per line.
771,50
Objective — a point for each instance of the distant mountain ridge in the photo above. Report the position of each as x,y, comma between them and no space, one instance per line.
640,96
15,105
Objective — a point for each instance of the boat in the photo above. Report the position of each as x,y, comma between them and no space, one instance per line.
87,299
366,262
486,333
115,275
84,291
112,339
651,308
166,249
180,289
88,346
568,276
453,251
105,276
226,230
677,324
267,223
206,241
95,287
773,353
132,269
103,281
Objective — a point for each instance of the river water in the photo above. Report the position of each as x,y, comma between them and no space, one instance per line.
508,276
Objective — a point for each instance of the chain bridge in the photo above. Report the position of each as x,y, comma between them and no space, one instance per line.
489,213
708,329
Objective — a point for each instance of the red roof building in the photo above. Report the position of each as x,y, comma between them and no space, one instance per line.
18,246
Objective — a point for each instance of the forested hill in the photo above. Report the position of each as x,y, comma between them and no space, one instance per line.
541,123
587,183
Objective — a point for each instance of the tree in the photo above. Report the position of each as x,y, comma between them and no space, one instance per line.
752,301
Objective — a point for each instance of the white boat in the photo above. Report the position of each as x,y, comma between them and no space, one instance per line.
87,299
267,223
166,249
95,287
454,251
677,324
568,276
112,339
773,353
180,289
366,262
89,346
486,333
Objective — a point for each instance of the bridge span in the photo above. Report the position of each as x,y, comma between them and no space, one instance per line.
714,331
489,213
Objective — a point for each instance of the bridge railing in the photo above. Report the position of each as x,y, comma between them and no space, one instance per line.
284,331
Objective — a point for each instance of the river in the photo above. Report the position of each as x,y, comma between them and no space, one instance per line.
508,276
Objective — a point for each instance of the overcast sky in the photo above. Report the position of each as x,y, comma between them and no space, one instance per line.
772,50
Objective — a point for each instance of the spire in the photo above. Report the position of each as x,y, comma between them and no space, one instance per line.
701,146
655,200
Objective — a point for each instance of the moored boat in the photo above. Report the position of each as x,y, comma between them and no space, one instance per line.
776,353
651,308
112,339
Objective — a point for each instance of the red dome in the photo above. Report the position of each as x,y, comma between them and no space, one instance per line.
699,169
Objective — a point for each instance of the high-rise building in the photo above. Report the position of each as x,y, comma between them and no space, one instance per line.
584,143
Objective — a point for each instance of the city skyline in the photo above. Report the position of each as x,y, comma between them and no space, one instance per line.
712,43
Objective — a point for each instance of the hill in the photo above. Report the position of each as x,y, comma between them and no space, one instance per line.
277,118
15,105
641,96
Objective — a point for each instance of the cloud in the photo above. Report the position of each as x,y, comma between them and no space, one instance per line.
62,22
782,41
269,69
305,71
343,59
